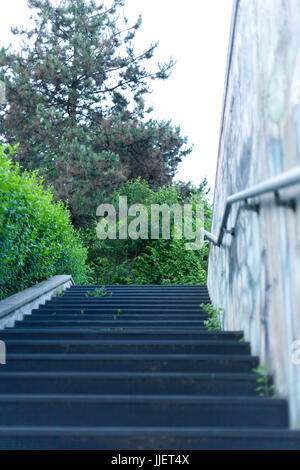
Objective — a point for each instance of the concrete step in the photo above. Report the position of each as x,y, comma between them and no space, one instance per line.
140,410
130,363
106,326
154,287
114,303
139,297
110,346
79,333
114,310
170,297
117,322
95,303
126,383
145,438
37,315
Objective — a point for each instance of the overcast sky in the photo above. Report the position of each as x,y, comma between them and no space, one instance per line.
195,33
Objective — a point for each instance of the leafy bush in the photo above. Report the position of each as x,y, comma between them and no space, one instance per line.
265,386
149,261
215,317
37,239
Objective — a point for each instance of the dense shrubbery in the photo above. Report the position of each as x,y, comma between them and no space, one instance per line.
37,239
149,261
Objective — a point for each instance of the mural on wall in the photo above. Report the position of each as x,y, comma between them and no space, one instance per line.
255,275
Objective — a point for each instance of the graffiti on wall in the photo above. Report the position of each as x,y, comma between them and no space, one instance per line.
255,275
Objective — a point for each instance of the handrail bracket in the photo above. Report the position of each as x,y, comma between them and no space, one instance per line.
251,207
289,203
230,231
272,185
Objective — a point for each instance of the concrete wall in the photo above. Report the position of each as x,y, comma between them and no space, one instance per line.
17,306
255,275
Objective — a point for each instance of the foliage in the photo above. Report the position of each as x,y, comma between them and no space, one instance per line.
100,292
168,262
162,261
214,322
37,239
75,103
265,388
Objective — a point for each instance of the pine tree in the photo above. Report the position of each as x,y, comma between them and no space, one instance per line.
75,103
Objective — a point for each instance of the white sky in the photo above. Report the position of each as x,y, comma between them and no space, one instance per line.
195,33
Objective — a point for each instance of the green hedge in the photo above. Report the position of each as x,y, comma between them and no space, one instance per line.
148,261
37,239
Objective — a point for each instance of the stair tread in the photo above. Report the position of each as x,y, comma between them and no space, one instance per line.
134,375
200,331
223,357
130,341
148,431
135,399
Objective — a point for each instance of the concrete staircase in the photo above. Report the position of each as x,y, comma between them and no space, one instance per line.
134,368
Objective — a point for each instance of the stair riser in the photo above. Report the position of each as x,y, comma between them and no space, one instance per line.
81,441
162,386
191,299
98,413
137,364
110,348
84,323
127,334
160,295
136,294
132,299
124,305
134,291
141,287
114,311
38,316
119,323
112,328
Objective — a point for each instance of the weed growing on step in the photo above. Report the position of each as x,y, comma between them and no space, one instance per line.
214,322
118,314
102,292
60,293
82,312
265,388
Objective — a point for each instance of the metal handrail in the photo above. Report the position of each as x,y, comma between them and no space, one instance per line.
286,179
